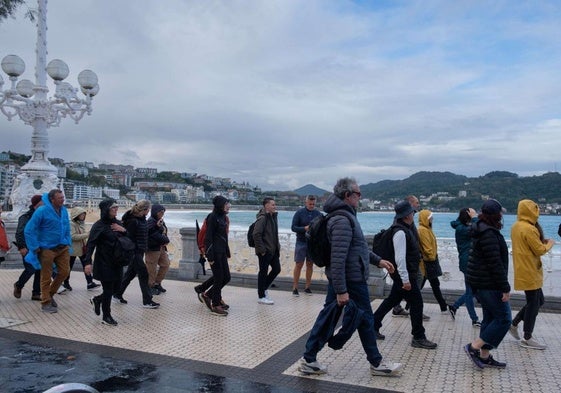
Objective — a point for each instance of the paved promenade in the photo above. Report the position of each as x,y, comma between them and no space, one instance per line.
181,347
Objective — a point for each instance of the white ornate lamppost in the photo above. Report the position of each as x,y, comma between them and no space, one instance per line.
30,103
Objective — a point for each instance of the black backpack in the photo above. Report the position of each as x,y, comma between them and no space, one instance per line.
250,241
319,247
123,251
382,244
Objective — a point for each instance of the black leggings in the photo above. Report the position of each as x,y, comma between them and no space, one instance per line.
529,313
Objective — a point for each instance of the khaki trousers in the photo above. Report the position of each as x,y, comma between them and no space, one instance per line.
153,260
60,257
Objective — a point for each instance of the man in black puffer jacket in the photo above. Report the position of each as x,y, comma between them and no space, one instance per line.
348,273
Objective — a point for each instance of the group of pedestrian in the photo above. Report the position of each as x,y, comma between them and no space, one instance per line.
50,239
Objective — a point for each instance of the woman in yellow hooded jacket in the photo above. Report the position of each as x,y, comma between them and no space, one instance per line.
429,254
528,245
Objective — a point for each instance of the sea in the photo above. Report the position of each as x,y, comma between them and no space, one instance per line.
371,222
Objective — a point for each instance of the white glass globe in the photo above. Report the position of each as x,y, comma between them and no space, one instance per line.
25,88
87,79
57,69
13,65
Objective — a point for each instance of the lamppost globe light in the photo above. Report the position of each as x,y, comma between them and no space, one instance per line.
25,88
87,79
13,65
90,92
57,69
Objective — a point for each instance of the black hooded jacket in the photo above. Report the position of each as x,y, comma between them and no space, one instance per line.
102,240
157,235
137,231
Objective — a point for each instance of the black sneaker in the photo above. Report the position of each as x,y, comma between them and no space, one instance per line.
401,312
295,293
476,324
490,362
473,355
160,288
93,286
308,291
379,336
97,305
452,310
423,343
67,286
151,304
155,291
108,320
119,299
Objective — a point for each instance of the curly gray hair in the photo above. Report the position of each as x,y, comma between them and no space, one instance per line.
344,186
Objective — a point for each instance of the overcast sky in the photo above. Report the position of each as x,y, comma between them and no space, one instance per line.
285,93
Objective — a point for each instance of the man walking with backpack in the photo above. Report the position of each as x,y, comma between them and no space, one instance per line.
347,273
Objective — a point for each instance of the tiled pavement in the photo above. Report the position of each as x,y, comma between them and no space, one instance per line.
262,344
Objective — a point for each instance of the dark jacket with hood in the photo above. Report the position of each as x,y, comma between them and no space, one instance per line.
463,242
216,236
350,254
157,235
22,221
137,231
102,240
488,260
266,233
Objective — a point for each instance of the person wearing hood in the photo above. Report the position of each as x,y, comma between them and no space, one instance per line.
487,274
29,270
217,252
47,235
79,234
429,256
267,248
101,240
137,230
347,276
461,225
156,257
528,245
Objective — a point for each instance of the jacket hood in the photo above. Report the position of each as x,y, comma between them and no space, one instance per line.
104,207
456,223
335,203
156,209
76,211
528,210
424,218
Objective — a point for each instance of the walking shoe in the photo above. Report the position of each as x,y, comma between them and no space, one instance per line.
379,336
476,324
155,291
532,344
49,308
67,286
119,299
36,297
295,293
160,288
199,291
513,330
386,369
92,286
473,354
452,310
400,313
423,343
308,291
490,362
151,304
224,305
108,320
218,310
425,317
265,300
94,301
61,290
53,303
207,301
311,367
17,291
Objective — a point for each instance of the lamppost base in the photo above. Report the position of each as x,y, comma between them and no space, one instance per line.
27,184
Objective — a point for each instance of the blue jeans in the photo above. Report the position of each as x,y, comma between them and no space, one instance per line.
467,298
497,317
358,292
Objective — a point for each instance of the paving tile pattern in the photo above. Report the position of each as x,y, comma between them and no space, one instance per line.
263,343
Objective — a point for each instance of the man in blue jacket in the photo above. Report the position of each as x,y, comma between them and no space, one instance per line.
347,273
47,235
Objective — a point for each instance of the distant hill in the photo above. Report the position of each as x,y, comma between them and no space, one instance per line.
507,187
310,189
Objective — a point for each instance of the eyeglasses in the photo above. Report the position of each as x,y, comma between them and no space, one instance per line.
357,193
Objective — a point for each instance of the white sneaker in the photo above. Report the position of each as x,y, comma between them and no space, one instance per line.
532,344
386,369
265,300
61,290
513,330
311,368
